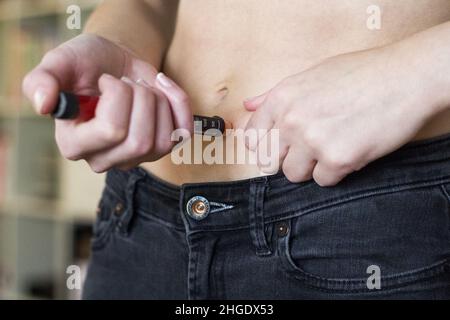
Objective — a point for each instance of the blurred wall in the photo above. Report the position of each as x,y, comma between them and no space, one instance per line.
47,204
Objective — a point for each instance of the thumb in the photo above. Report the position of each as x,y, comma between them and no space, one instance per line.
252,104
42,89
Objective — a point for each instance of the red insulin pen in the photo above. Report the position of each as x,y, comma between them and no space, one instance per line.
71,106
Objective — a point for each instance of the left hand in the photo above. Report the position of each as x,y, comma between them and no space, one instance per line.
339,116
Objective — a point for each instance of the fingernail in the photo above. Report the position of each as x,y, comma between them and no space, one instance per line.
164,80
108,76
39,98
142,82
127,80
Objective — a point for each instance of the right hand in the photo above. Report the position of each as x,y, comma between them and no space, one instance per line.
134,119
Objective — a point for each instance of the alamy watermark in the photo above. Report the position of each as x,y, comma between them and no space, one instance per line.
374,20
74,280
73,21
374,280
228,148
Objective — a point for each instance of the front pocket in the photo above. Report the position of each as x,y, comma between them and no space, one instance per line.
404,234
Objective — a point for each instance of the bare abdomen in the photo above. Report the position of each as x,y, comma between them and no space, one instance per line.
224,51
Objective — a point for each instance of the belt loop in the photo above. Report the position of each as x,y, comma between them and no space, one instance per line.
256,215
124,221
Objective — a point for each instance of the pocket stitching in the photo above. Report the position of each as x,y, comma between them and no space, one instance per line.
354,197
356,285
446,193
100,240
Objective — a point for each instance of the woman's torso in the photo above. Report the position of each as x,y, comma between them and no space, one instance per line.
224,51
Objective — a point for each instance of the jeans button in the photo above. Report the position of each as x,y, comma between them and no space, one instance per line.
282,229
198,208
118,210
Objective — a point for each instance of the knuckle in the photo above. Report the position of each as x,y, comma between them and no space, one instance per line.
113,134
280,94
97,167
122,89
296,175
68,150
140,147
340,159
292,176
319,179
70,153
290,123
52,56
322,182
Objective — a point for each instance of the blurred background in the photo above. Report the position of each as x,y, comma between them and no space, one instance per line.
47,204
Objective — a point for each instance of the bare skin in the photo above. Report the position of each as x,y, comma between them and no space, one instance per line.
224,52
238,49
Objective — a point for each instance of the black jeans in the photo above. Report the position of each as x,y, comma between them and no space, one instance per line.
267,238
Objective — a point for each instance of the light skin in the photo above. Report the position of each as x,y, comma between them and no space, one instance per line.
325,134
329,117
138,109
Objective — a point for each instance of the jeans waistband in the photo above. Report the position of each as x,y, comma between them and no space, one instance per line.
230,204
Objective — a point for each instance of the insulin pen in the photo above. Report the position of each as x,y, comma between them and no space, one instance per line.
71,106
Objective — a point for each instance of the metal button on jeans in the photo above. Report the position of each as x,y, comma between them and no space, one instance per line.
118,210
198,207
282,229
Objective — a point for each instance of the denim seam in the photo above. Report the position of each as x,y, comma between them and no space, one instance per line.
192,275
444,190
326,204
252,216
354,196
436,271
256,222
114,194
165,223
345,291
128,215
320,283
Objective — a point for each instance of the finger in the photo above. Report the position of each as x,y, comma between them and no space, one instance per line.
258,126
41,88
164,127
108,128
164,121
298,165
252,104
140,138
326,176
141,70
179,102
271,152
